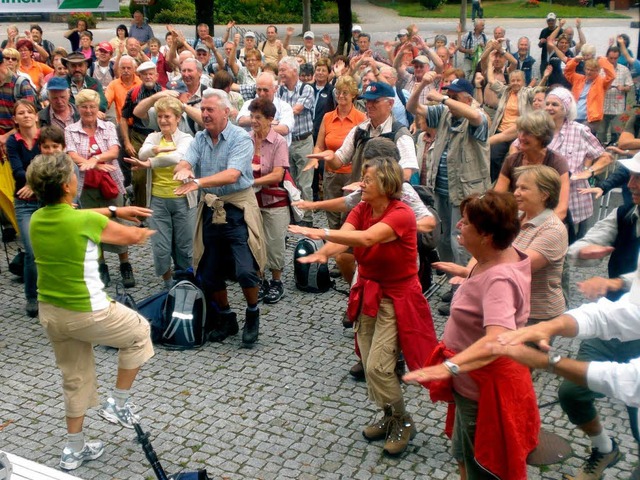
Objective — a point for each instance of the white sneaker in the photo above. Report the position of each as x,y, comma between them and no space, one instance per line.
124,416
71,460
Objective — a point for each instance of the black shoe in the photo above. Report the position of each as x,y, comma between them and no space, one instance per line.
251,327
346,323
447,296
444,309
276,292
127,275
263,290
104,274
335,272
357,371
32,308
227,325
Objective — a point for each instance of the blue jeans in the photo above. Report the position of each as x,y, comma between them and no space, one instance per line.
24,210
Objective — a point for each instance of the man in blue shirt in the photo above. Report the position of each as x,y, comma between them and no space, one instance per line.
140,30
229,240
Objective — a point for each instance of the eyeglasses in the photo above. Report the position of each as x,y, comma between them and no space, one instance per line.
14,59
343,93
366,180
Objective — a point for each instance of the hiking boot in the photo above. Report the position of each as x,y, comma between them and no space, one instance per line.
263,290
378,430
335,272
31,308
114,414
127,275
597,462
401,430
71,460
227,325
105,278
357,371
444,309
276,292
251,327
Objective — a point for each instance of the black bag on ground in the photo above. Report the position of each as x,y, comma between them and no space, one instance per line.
310,277
152,308
185,313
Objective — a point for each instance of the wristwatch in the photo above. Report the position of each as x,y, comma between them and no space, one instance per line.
452,367
326,233
113,210
196,181
553,361
444,99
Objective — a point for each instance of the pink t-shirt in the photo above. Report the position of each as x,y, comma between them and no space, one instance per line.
499,296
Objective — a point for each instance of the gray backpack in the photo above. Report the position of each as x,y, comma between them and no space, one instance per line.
185,313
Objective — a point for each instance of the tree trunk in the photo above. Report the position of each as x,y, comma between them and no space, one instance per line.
306,15
204,14
344,21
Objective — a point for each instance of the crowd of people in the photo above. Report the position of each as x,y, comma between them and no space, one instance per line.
201,139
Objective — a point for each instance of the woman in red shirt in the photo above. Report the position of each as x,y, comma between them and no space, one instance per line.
386,302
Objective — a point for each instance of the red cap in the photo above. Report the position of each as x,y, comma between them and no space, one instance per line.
106,46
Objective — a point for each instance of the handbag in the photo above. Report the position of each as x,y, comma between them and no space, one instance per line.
103,181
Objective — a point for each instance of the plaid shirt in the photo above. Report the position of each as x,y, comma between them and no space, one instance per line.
77,141
615,101
304,120
576,143
310,56
8,100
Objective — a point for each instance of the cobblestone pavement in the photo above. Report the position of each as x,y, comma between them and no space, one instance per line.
285,408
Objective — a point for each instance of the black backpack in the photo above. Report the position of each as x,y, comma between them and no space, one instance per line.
427,242
183,320
310,277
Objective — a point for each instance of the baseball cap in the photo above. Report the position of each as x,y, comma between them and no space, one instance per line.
377,90
403,31
106,46
308,34
57,83
421,59
146,66
631,164
356,28
177,86
249,35
460,85
202,47
551,16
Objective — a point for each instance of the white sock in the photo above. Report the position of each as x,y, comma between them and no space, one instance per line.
75,441
120,397
602,442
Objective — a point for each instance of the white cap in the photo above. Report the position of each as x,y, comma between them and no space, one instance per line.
551,16
249,35
631,164
356,28
308,34
146,66
403,31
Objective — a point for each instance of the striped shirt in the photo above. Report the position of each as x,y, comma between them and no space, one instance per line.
547,236
304,120
8,100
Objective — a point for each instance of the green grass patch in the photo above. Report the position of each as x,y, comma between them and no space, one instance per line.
513,9
123,13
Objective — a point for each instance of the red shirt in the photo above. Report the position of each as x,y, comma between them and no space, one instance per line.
392,261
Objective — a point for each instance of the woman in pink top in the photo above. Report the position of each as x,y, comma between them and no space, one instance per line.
496,419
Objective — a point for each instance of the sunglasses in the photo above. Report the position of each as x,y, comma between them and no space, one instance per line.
12,58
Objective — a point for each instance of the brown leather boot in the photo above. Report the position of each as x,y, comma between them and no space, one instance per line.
400,431
378,430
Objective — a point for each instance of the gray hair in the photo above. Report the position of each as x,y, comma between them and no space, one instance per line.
47,174
393,71
291,62
381,147
271,75
539,124
221,95
128,57
194,61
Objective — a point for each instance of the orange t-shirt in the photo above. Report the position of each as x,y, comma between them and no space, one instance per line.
336,130
510,112
117,92
37,72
